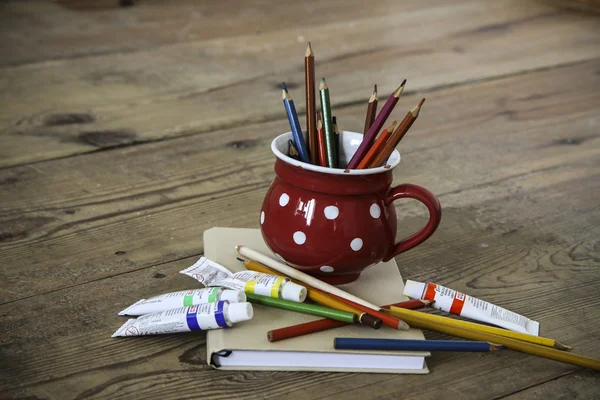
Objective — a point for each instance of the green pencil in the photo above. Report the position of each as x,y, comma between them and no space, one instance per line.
304,308
327,125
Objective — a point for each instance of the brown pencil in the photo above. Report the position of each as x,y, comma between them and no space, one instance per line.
371,110
397,136
311,117
325,324
377,146
321,143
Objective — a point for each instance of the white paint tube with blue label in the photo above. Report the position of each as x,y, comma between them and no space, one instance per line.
200,317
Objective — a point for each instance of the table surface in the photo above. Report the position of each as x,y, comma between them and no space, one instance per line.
128,131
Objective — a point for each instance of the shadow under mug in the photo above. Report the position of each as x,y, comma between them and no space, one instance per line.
333,223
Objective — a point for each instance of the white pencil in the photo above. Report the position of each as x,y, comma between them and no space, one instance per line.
301,276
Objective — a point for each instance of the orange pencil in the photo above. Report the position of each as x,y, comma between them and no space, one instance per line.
377,146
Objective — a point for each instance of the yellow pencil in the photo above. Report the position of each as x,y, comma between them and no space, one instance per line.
319,297
416,319
399,312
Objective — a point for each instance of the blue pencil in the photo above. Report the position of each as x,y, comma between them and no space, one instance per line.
290,109
412,345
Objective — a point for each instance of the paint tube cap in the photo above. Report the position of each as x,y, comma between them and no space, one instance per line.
293,292
238,312
233,296
413,289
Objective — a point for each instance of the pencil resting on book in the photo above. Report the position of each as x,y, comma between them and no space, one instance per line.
394,323
415,319
383,115
297,134
311,116
397,136
371,111
413,345
318,296
320,325
484,328
303,308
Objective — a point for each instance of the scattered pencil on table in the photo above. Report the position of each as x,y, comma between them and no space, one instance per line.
413,345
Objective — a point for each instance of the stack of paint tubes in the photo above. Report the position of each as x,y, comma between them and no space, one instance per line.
220,304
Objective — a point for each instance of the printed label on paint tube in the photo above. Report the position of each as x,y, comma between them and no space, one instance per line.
185,319
183,298
457,303
212,274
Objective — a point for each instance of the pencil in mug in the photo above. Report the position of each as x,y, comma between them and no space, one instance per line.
293,151
297,134
485,328
312,309
336,138
321,142
397,136
417,320
311,116
368,139
332,161
320,325
377,146
413,345
318,296
371,111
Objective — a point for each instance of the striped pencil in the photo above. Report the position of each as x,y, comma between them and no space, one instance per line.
383,115
294,124
327,125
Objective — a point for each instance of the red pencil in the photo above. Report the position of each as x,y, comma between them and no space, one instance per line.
324,324
321,142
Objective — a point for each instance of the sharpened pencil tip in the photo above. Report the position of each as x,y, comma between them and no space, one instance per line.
323,84
373,95
421,103
309,51
283,86
240,259
403,83
375,88
398,91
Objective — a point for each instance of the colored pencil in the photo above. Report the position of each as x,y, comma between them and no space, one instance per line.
416,320
371,110
293,151
397,136
542,341
321,143
413,345
311,116
336,138
393,322
327,124
319,325
318,296
290,109
377,146
246,251
312,309
412,304
368,139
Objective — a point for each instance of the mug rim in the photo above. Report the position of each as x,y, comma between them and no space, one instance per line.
333,171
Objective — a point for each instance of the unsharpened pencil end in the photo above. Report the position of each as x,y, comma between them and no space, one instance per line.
403,326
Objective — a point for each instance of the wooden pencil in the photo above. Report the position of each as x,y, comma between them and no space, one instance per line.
321,143
415,319
413,345
397,136
320,325
293,151
394,323
542,341
327,124
318,296
311,116
297,134
377,146
371,110
368,139
252,254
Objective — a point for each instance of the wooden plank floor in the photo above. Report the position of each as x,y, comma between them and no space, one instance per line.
125,132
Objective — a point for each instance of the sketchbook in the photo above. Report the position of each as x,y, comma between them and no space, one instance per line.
245,346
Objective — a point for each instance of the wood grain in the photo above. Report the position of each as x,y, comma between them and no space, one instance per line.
97,102
153,202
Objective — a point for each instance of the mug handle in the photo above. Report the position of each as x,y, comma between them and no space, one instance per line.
423,195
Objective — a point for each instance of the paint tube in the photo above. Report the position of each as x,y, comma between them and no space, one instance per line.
470,307
184,298
211,273
201,317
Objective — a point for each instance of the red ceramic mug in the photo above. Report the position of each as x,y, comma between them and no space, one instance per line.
333,223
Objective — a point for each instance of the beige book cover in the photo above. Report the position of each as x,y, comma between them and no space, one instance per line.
245,345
